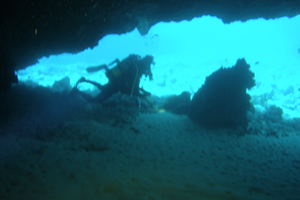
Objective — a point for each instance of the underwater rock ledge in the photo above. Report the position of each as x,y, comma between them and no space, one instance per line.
32,30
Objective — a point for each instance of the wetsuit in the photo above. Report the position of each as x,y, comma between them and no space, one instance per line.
124,78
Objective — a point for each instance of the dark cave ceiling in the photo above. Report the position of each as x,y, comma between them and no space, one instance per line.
31,29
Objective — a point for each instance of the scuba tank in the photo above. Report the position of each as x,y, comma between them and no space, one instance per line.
123,66
118,70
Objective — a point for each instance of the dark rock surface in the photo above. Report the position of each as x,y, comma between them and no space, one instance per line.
178,104
31,111
31,29
7,74
271,124
27,111
222,102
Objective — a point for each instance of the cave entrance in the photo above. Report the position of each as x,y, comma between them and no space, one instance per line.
189,51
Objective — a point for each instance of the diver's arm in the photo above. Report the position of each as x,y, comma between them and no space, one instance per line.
115,61
98,85
96,68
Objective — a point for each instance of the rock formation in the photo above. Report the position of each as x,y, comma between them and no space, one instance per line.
222,101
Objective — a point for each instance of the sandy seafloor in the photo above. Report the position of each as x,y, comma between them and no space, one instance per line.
155,156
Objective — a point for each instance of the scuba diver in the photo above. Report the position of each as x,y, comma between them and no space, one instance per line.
124,77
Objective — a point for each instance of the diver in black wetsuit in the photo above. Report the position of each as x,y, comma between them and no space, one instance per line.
124,77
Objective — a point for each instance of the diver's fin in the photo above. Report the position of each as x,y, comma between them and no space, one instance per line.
97,68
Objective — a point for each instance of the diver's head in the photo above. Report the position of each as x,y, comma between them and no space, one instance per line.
148,60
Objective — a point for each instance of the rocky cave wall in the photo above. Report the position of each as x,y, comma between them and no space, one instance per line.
31,29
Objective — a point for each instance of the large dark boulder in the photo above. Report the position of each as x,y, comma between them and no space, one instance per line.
222,101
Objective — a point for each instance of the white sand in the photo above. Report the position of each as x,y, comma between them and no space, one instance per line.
160,156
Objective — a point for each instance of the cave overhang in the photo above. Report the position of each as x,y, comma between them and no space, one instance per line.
33,29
